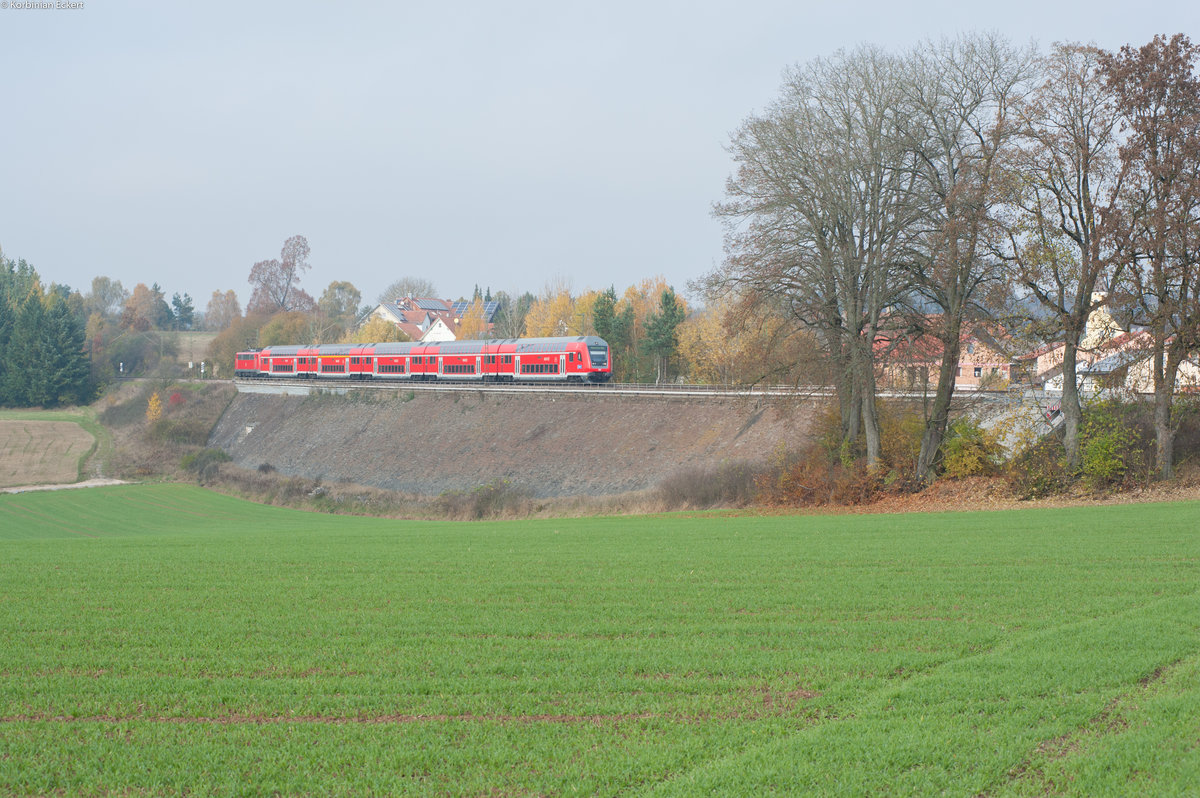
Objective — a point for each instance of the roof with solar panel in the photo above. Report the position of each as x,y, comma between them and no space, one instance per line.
489,309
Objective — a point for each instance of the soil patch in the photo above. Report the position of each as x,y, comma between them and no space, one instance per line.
41,452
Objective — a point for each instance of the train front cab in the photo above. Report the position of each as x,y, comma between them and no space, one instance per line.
599,359
245,364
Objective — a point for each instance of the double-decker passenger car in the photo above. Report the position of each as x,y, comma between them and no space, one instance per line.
584,359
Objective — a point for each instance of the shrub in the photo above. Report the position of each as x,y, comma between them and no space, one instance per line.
816,477
900,431
971,451
204,463
731,484
181,430
485,501
1038,470
1112,447
197,460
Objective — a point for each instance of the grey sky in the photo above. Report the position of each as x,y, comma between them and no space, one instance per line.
498,144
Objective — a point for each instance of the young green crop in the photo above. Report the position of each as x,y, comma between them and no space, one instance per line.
163,639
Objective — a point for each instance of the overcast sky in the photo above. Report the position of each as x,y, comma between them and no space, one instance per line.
504,144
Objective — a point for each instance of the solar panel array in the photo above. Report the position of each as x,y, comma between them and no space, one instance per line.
430,304
489,309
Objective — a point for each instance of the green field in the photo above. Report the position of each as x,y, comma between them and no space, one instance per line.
162,640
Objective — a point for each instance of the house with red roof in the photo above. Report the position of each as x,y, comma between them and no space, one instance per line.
912,362
430,319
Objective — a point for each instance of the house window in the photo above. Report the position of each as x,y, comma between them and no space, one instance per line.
958,372
979,371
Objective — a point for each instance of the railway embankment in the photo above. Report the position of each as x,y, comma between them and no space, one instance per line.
553,445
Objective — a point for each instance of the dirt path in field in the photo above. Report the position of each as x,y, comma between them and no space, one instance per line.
87,483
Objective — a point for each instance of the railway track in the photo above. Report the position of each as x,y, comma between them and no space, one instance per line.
298,386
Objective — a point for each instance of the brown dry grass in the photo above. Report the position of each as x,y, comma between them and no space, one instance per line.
41,452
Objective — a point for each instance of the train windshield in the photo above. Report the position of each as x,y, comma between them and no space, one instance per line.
599,356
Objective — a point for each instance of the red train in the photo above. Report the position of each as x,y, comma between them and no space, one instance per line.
583,359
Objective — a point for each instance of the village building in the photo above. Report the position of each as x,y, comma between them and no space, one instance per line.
428,319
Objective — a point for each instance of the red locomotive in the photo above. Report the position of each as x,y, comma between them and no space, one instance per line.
584,359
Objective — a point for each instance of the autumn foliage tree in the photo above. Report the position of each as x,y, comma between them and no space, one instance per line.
146,309
551,315
223,309
240,335
154,409
375,330
473,324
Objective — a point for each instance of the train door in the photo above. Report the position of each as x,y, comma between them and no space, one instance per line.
479,365
517,367
562,365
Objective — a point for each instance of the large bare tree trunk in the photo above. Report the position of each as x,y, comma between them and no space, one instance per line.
1166,364
939,415
870,417
1070,407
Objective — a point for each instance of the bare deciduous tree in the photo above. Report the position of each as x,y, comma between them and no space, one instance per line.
276,282
1059,237
821,214
407,286
961,96
1158,220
